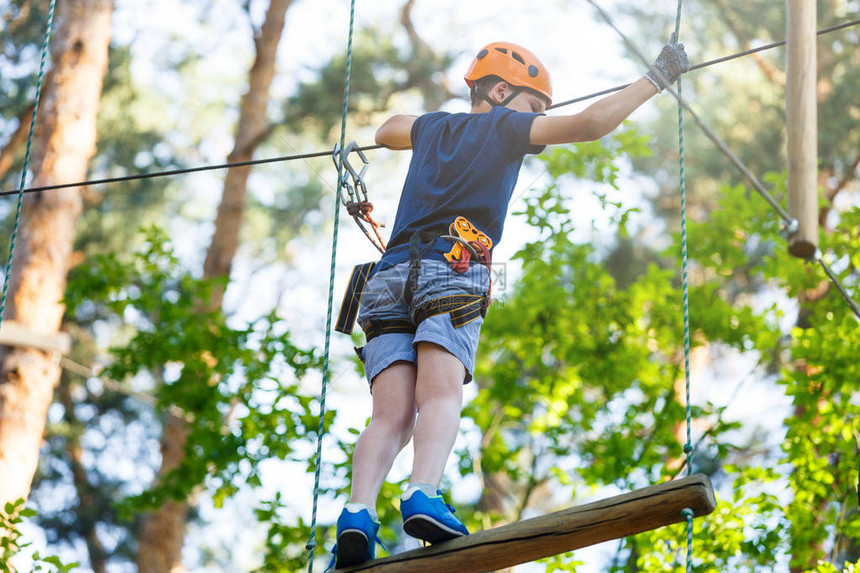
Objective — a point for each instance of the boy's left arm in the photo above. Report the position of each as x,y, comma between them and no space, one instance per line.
396,132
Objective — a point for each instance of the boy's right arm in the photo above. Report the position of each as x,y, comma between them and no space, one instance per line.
595,121
601,118
396,132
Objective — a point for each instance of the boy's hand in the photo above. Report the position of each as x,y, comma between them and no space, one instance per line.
671,63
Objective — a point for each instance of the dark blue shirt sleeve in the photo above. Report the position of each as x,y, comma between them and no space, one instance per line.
419,123
514,130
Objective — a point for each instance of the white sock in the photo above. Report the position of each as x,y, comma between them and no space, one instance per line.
356,507
428,488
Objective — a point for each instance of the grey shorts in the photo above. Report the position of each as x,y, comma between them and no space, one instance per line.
384,299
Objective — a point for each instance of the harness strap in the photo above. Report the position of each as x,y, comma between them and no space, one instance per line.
462,308
352,298
377,328
419,243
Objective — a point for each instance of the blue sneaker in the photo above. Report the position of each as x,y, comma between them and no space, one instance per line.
356,539
429,518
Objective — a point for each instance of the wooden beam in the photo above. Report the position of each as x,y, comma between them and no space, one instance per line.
802,126
15,334
560,532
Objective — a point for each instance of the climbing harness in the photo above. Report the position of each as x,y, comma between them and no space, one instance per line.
378,328
461,308
468,242
469,245
355,200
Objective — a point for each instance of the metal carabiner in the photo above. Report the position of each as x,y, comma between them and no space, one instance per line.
357,189
344,182
358,206
357,176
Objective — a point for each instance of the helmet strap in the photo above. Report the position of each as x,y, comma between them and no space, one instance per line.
516,90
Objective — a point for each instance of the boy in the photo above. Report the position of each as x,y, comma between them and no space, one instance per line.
423,306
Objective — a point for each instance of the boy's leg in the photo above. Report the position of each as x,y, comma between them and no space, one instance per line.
390,429
439,398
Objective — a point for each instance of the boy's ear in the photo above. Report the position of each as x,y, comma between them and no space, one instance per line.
500,91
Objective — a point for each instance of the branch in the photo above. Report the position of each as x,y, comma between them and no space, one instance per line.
831,191
774,75
406,19
421,50
19,137
843,183
16,24
531,484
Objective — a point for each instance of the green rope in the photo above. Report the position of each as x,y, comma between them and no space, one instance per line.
14,242
311,545
688,446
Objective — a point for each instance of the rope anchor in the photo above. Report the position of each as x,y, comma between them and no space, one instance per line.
355,199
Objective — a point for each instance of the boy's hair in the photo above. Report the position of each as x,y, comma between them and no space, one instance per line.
482,88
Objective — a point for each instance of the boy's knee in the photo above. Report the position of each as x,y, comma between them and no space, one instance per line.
397,424
405,425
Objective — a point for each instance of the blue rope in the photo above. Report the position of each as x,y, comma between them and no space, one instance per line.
311,545
688,446
14,242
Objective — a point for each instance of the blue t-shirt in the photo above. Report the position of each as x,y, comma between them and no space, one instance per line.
463,164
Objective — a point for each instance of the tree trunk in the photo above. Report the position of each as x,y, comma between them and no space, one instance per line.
699,360
163,530
251,129
66,141
88,496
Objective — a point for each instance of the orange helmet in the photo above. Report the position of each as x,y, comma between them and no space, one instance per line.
512,63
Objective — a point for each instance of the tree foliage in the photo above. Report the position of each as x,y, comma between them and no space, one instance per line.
238,387
583,396
12,516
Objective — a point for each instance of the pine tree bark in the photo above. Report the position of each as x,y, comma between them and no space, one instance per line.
66,140
250,131
163,530
88,496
